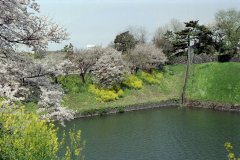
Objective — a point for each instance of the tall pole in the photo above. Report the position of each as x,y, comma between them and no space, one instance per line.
183,94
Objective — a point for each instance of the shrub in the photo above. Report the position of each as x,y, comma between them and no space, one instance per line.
229,149
24,136
168,70
120,93
104,95
157,75
133,82
148,78
31,106
108,95
121,109
102,111
71,83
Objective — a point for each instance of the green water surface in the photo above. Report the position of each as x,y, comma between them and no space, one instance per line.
159,134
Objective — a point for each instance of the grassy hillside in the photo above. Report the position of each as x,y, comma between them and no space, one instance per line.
217,82
168,89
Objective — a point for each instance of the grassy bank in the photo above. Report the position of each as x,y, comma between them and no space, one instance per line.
169,88
215,82
84,101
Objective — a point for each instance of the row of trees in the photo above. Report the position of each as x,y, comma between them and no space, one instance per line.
223,36
109,66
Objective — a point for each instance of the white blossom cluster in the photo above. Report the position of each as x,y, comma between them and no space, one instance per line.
110,70
21,25
55,63
17,75
84,60
11,73
146,56
51,103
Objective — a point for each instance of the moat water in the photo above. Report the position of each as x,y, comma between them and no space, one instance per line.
159,134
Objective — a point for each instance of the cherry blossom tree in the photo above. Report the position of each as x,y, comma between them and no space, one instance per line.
110,70
21,26
84,60
145,57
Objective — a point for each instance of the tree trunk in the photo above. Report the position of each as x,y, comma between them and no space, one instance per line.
56,80
83,77
136,70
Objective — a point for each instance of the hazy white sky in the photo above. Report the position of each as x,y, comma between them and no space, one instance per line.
98,21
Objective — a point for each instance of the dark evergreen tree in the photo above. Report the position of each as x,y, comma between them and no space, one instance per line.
198,35
124,42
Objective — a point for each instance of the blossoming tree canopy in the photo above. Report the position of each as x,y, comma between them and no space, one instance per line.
20,24
20,76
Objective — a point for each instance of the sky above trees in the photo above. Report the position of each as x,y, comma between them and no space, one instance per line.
99,21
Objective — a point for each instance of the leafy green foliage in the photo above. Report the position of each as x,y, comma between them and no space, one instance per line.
132,81
120,93
72,83
74,149
124,42
229,149
158,75
31,106
24,136
228,23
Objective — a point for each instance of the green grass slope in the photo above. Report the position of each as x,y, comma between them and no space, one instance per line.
216,82
170,87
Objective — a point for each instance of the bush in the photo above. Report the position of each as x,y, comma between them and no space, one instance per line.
148,78
102,111
168,70
120,93
104,95
229,149
157,75
133,82
120,109
24,136
71,83
31,106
